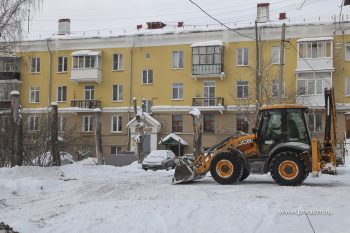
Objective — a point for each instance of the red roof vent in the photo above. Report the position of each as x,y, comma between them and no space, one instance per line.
139,26
155,25
180,24
283,16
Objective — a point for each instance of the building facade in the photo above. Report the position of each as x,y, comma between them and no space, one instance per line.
214,70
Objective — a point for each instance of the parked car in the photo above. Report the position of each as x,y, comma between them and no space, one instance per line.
159,159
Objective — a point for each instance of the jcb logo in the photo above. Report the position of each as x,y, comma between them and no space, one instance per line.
246,141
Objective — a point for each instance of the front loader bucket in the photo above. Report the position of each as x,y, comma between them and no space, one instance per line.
184,172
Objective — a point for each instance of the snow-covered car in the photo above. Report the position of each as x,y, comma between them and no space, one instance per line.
159,159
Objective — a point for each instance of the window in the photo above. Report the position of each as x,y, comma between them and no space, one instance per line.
313,83
61,123
89,92
275,58
115,150
178,59
177,123
147,76
208,123
242,57
87,123
117,92
84,62
33,123
275,87
35,65
34,95
347,52
116,124
206,55
315,122
9,67
4,123
62,94
347,91
178,90
242,89
242,124
315,49
118,61
62,64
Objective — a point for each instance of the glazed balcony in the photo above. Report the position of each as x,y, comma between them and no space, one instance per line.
87,104
212,70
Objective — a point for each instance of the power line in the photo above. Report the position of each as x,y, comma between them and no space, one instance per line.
221,22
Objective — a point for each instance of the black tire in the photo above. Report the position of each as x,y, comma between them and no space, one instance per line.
287,169
226,163
246,172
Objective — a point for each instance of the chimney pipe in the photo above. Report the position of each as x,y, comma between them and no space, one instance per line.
63,26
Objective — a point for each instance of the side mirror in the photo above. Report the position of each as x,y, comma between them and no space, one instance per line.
254,130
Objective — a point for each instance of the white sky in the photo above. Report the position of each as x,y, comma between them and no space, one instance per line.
117,16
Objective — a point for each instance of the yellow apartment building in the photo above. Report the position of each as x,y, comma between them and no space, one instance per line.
175,70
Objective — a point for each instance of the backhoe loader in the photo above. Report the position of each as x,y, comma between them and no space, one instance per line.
280,144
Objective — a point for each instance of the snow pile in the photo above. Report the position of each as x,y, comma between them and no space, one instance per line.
195,112
81,198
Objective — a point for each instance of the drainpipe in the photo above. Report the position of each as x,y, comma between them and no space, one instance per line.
130,89
49,74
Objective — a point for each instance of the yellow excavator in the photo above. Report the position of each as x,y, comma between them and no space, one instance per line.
280,144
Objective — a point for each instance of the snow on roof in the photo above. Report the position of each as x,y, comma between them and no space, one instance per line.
86,53
207,43
175,137
315,39
14,93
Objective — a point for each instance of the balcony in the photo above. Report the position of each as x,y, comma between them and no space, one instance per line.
10,76
86,75
86,66
202,71
5,104
87,104
212,101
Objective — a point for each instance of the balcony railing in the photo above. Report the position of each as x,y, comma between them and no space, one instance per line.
215,69
212,101
5,104
10,75
90,104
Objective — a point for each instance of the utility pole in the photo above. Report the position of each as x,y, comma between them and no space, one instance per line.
280,81
55,153
257,69
16,134
98,137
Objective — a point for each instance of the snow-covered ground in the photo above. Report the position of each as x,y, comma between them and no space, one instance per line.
89,198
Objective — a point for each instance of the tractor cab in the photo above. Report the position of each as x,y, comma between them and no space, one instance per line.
281,124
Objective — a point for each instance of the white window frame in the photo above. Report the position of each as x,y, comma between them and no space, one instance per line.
10,67
178,60
178,90
274,88
35,127
62,67
91,92
61,94
347,51
119,124
316,81
149,77
117,149
90,124
119,93
118,62
35,93
241,51
314,116
92,63
243,91
275,54
36,62
311,53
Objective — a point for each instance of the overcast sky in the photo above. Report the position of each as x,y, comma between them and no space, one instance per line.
117,16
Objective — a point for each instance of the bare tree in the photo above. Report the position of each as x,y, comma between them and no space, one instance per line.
197,132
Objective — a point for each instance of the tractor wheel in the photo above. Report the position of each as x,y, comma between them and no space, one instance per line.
246,172
226,168
287,169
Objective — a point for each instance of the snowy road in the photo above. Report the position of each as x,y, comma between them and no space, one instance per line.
86,198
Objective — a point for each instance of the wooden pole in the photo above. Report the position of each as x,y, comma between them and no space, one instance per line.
56,159
17,135
280,81
257,68
98,137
